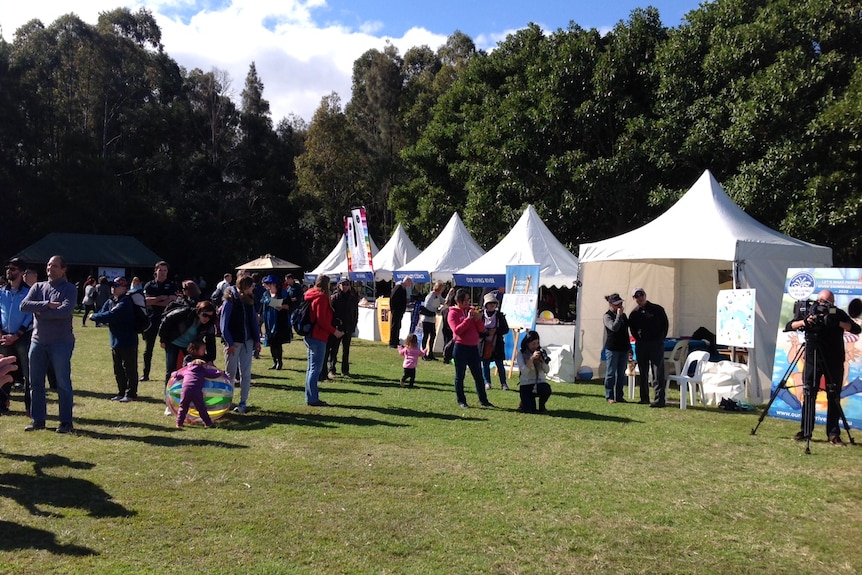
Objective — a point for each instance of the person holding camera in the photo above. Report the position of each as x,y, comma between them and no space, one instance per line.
467,327
533,367
648,324
617,348
824,326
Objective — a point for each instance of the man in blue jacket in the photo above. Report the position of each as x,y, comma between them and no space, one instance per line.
15,329
119,314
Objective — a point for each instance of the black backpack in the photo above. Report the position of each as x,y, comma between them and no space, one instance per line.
142,319
300,319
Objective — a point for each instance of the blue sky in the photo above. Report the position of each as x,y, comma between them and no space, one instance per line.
304,50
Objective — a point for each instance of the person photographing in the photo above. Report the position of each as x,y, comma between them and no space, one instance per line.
824,325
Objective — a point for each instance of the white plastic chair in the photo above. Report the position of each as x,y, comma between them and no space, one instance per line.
690,384
674,360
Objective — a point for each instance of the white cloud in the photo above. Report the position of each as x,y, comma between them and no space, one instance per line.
298,61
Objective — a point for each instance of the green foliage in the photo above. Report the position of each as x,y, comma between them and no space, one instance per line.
600,133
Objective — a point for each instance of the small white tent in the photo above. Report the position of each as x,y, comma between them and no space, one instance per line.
398,251
453,249
335,264
529,242
679,258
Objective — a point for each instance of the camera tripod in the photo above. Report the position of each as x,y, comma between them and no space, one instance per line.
810,396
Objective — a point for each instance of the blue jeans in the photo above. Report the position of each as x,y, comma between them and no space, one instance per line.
468,356
58,356
501,370
615,378
316,362
240,360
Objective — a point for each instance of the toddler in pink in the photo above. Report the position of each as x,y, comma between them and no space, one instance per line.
194,374
411,352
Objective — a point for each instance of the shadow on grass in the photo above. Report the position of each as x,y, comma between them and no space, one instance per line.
16,537
321,417
108,396
33,491
172,436
585,415
406,412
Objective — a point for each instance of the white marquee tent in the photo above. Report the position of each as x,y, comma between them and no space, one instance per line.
528,242
453,249
398,251
678,259
335,264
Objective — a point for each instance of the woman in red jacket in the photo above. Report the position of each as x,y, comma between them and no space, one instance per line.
321,317
467,325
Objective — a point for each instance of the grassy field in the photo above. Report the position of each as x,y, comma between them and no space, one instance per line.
391,481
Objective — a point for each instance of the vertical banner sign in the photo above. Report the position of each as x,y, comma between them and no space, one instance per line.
519,304
804,284
359,264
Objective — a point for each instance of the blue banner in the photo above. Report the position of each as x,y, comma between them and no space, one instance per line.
417,277
481,281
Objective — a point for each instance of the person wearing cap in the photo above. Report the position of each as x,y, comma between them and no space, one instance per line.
275,314
15,330
345,309
648,325
493,344
617,348
119,315
52,303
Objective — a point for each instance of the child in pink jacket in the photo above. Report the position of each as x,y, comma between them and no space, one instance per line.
411,352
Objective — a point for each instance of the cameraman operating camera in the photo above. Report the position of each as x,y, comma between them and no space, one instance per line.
824,326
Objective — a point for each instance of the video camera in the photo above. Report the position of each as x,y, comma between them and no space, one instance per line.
545,356
819,313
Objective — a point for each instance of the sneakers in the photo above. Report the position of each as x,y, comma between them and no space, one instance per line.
835,440
487,386
318,403
657,404
239,409
612,401
463,405
35,426
168,411
117,398
126,399
65,428
332,374
505,387
488,405
402,382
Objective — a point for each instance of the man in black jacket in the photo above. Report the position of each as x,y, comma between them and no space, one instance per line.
345,309
397,307
649,324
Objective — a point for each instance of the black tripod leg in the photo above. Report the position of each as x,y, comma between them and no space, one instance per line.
837,401
781,385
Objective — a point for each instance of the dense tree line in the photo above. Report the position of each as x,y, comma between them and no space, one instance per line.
101,131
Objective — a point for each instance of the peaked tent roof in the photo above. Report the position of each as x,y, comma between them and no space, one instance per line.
714,228
268,262
398,251
335,264
529,242
91,250
453,250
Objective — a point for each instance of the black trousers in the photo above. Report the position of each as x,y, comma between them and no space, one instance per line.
126,370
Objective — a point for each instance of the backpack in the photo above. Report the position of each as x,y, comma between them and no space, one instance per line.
142,319
300,319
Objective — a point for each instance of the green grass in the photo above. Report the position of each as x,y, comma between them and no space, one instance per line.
392,480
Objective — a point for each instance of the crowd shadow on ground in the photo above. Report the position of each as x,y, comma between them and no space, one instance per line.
45,495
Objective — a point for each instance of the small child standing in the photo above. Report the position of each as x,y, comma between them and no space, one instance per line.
194,373
411,352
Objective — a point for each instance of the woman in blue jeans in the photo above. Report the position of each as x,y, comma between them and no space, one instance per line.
617,348
467,325
315,342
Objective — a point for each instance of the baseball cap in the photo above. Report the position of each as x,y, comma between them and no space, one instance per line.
120,281
638,290
270,279
615,299
345,281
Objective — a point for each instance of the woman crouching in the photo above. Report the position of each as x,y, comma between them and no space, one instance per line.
533,369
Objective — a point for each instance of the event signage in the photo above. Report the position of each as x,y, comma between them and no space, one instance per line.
417,277
804,284
521,299
359,263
